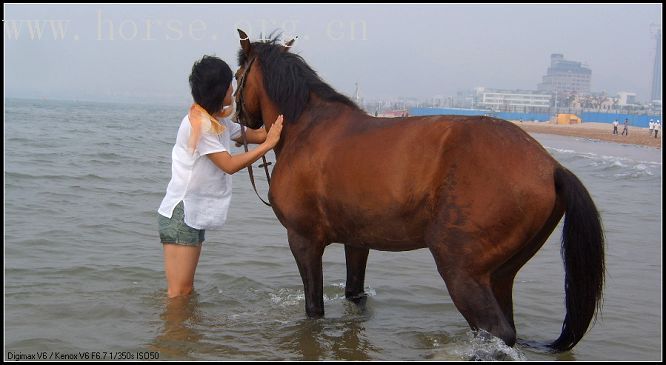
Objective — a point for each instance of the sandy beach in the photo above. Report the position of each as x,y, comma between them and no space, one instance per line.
600,131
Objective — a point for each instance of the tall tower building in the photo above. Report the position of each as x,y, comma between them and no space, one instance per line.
357,96
565,77
656,70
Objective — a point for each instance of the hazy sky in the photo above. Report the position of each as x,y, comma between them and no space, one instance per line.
145,52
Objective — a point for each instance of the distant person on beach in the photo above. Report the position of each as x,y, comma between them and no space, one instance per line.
657,126
626,127
199,193
615,124
651,125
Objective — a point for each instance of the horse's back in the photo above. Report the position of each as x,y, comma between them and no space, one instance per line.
421,145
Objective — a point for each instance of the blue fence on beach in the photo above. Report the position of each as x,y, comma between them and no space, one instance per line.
634,119
527,117
637,120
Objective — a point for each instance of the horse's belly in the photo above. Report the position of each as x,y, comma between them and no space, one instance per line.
387,245
384,235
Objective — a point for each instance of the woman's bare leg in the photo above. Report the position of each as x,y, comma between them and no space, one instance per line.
180,264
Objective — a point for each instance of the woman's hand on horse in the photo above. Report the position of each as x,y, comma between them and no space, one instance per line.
273,136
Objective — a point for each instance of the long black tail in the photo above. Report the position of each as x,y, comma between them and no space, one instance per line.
583,254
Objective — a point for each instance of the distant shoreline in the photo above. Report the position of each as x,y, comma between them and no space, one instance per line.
600,131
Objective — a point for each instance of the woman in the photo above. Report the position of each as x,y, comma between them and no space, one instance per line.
199,192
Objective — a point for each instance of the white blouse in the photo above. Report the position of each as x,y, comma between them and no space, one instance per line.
202,186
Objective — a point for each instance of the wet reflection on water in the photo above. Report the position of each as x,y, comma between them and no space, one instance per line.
178,337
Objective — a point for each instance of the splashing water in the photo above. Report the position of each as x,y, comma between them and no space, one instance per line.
480,346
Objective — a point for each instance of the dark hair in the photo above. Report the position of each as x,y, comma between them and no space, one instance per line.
209,81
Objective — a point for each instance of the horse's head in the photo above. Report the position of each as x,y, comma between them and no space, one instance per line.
249,76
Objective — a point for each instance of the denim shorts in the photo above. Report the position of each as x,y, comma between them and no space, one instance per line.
174,229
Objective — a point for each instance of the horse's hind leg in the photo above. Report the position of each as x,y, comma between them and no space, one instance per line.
503,277
357,259
472,293
502,286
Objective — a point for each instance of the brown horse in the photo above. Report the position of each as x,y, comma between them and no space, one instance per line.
478,192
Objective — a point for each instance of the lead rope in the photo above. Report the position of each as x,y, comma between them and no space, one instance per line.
249,168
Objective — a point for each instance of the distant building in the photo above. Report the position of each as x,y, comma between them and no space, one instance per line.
360,101
465,98
512,100
394,113
626,98
565,77
656,70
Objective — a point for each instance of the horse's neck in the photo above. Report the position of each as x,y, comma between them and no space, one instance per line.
319,117
319,111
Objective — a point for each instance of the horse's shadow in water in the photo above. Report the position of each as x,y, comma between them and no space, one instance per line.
341,338
543,349
344,338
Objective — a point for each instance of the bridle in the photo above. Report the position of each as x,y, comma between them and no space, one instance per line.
241,116
241,111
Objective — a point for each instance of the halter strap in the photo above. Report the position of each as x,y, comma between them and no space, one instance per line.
249,168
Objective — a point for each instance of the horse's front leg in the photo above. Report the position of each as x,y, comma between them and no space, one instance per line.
308,253
357,259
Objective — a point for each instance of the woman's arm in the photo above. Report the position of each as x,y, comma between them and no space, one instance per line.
234,163
231,164
255,136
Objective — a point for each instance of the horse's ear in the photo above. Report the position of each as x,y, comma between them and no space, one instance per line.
288,45
244,41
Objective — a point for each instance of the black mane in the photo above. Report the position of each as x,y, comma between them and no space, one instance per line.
289,80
